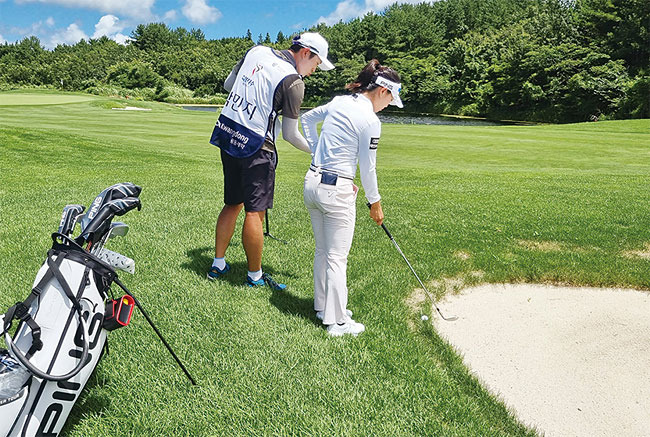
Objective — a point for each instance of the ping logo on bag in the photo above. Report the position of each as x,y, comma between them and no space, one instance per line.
66,392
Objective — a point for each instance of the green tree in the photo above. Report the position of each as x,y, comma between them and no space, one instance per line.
154,37
618,27
134,74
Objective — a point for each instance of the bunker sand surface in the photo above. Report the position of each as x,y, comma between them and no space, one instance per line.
567,361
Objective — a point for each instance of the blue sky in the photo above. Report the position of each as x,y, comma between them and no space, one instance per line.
67,21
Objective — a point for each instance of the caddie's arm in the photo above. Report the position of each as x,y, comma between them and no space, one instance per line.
291,134
230,80
293,90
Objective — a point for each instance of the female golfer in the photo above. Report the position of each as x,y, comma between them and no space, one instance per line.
349,136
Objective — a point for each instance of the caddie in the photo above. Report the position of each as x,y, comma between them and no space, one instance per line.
264,84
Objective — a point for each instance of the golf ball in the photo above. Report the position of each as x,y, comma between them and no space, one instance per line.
424,317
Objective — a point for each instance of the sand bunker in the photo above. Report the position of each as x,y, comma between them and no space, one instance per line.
132,108
567,361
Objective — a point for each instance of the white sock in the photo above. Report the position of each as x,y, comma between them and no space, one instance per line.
255,276
219,263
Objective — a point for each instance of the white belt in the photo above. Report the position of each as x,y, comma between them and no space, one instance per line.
329,175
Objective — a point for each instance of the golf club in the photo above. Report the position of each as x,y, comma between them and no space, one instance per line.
117,191
267,233
448,319
116,260
117,229
69,218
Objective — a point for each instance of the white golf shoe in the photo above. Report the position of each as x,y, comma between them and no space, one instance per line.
319,314
350,327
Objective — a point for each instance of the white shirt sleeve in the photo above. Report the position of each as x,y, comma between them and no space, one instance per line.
368,142
310,122
291,134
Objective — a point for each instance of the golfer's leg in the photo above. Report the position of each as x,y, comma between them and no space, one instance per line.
225,228
253,239
310,197
320,259
338,226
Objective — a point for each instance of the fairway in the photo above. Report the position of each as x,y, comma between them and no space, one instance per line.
467,205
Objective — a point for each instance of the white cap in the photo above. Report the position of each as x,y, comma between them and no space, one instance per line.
394,89
318,45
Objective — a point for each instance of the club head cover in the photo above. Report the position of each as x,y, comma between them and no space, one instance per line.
117,191
102,221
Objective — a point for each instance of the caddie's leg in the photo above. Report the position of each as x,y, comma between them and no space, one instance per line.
253,239
225,228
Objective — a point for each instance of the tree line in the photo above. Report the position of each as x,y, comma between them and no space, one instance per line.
544,60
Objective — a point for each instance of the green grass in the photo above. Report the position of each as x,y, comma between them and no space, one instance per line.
264,365
25,97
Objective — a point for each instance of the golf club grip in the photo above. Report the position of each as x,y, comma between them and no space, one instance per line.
383,226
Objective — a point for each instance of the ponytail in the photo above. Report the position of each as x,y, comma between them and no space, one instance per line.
366,79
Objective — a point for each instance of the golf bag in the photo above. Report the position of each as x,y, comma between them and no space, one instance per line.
65,319
58,343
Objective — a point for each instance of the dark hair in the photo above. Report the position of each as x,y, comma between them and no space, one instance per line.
366,79
296,48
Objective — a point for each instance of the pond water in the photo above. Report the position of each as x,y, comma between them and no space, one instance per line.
399,118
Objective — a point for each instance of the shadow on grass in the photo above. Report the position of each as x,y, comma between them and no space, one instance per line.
295,306
200,260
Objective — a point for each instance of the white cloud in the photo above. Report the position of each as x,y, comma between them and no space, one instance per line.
37,28
72,35
110,27
198,11
2,40
121,39
131,8
107,26
170,15
349,9
49,21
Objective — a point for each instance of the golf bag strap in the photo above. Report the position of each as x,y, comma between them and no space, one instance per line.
16,311
54,267
20,311
38,288
76,253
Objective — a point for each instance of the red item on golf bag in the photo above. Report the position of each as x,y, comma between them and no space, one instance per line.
118,312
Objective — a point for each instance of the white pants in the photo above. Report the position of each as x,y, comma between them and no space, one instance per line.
333,211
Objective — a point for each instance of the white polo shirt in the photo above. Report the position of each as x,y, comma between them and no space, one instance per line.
349,136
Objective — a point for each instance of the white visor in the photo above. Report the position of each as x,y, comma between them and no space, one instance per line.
394,89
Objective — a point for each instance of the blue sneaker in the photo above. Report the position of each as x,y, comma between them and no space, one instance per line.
215,273
266,279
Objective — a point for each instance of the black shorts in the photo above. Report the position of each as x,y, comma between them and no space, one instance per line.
250,181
